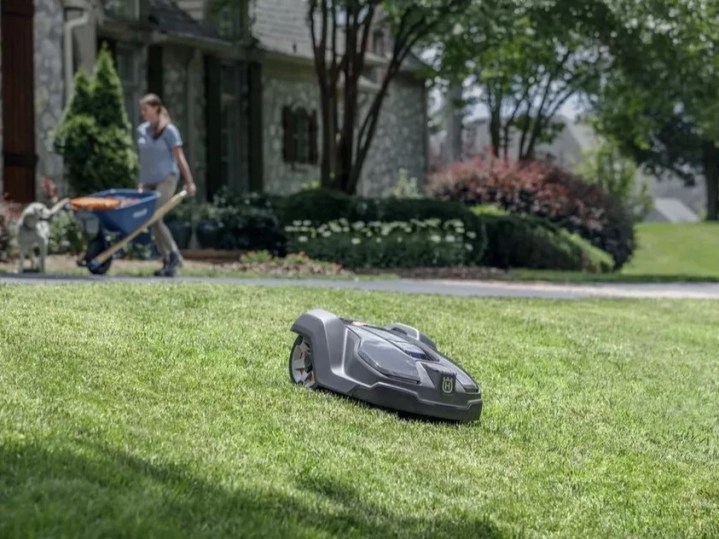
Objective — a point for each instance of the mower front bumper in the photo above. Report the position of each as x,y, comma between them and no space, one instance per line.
392,397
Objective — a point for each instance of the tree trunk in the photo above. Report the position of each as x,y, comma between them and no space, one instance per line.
711,176
495,130
455,115
327,133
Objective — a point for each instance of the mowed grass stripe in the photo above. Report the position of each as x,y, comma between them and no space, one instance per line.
167,410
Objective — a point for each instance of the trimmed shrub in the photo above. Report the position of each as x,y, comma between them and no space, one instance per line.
543,190
108,103
430,243
226,198
94,135
242,227
248,228
518,241
320,206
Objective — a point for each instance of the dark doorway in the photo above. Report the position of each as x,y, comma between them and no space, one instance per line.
18,100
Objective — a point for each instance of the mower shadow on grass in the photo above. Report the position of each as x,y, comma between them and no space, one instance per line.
91,490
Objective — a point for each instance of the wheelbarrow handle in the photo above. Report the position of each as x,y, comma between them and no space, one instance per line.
159,214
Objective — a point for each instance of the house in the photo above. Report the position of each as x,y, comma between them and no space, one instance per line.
239,83
673,200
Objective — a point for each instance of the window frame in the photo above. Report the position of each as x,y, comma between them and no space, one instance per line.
300,136
131,87
236,27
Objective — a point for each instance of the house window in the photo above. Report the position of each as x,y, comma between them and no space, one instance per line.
378,43
230,18
232,131
300,136
126,65
122,9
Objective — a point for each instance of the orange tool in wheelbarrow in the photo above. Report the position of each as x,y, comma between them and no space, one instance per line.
119,216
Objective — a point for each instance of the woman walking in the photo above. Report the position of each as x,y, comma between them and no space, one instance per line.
161,161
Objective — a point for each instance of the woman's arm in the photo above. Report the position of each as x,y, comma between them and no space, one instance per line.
185,168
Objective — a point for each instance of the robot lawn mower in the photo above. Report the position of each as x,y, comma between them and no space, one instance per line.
395,367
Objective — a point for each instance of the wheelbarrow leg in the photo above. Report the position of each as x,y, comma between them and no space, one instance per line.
159,214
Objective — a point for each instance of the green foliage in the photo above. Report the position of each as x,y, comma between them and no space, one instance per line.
257,257
543,190
237,222
618,176
660,100
528,57
185,213
490,209
249,228
519,241
322,206
405,187
430,243
66,235
226,198
108,102
82,101
316,205
94,136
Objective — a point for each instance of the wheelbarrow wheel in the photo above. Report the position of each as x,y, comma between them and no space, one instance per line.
94,248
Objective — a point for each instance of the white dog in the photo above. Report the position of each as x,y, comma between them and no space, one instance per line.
33,228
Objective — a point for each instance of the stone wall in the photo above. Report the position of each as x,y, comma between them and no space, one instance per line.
184,96
286,86
400,141
49,86
197,133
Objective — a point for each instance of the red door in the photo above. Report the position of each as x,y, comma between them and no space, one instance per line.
18,100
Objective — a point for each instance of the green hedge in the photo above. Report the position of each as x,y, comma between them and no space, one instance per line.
334,227
406,244
320,206
516,241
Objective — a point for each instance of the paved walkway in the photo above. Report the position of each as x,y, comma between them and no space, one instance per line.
411,286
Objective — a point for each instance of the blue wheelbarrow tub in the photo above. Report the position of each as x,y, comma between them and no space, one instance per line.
126,219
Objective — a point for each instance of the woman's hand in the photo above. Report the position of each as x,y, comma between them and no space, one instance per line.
185,169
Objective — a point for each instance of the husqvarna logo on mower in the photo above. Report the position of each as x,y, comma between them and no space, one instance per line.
447,384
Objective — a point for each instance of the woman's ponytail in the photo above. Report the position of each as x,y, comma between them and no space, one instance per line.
164,116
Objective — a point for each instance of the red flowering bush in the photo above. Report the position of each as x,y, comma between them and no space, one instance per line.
543,190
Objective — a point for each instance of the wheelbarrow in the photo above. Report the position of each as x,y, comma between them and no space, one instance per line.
112,219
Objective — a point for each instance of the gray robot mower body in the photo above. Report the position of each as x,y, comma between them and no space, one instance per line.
395,367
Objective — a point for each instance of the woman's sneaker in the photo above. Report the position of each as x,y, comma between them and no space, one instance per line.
173,264
161,271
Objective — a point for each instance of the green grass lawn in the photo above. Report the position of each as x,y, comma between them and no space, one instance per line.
666,252
167,411
676,249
